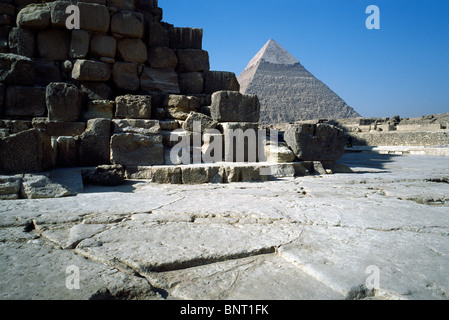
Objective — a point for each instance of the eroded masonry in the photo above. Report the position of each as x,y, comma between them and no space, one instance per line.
121,92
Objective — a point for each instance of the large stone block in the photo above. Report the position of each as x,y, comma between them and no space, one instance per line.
158,36
22,42
133,106
219,81
132,50
132,149
180,106
159,80
59,128
63,102
24,101
186,38
88,70
54,44
145,127
128,24
94,143
16,69
79,44
315,142
94,17
58,15
125,76
198,121
34,16
191,83
9,187
162,58
192,60
103,46
232,106
26,151
166,174
244,173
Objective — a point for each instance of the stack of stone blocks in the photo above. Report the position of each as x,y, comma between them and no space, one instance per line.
114,91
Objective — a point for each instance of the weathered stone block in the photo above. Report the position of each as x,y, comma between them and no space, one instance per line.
103,46
315,142
88,70
58,15
132,50
166,174
133,106
278,153
162,58
34,16
219,81
24,101
244,173
94,17
16,69
125,76
105,175
186,38
192,60
22,42
191,83
93,144
131,149
79,45
158,36
145,127
232,106
63,102
26,151
169,125
41,187
159,80
59,128
204,122
99,109
53,44
127,24
15,126
9,187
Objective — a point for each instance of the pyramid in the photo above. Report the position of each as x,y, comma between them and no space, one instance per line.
287,91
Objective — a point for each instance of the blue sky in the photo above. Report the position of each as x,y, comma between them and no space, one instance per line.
401,69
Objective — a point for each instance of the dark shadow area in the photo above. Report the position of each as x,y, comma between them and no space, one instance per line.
127,187
367,159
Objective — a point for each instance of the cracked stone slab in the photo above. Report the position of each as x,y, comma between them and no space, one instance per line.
410,265
241,279
35,270
154,247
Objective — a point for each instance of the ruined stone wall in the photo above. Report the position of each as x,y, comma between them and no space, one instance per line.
111,92
400,138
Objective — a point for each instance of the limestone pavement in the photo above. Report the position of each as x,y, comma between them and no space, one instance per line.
310,237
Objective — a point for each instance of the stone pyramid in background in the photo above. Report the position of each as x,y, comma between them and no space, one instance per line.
287,91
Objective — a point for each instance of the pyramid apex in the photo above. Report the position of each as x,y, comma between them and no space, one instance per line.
273,52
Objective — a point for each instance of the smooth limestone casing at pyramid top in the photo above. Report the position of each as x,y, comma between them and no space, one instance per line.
287,91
